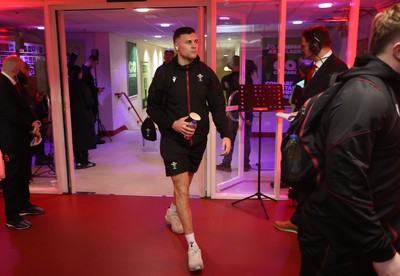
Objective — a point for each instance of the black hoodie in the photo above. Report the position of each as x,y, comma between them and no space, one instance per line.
178,90
357,205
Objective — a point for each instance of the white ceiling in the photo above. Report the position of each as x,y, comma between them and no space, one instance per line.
259,16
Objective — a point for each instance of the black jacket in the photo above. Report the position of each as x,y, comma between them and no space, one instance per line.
320,81
15,119
88,78
178,90
81,101
357,205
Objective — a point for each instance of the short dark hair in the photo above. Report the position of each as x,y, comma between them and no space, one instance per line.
169,51
183,30
317,33
74,71
93,58
385,28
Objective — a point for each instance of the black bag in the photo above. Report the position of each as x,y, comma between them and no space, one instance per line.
149,130
305,125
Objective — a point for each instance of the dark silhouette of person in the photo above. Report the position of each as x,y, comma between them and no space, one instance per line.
230,83
303,67
83,132
88,78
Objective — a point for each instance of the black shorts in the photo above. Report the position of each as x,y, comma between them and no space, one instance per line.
179,158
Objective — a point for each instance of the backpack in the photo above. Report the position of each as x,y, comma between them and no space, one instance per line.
148,130
308,160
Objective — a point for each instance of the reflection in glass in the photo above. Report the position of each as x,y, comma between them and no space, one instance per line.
22,37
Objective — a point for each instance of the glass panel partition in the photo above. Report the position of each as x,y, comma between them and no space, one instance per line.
250,30
22,34
243,31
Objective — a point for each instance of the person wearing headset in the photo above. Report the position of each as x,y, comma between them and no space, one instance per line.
316,46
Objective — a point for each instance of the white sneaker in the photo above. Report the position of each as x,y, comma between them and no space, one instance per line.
195,260
172,219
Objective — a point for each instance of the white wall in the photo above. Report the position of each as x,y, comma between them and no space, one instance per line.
119,78
112,74
101,73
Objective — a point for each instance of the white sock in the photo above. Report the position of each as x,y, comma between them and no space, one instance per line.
172,207
190,240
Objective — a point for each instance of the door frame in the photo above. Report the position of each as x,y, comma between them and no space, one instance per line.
55,41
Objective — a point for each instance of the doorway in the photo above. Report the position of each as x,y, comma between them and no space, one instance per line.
125,164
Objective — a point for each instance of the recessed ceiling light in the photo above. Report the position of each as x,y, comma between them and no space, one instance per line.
40,28
158,36
297,22
142,10
229,38
224,18
325,5
226,55
165,25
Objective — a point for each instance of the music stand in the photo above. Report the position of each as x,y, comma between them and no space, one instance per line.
51,168
101,130
260,98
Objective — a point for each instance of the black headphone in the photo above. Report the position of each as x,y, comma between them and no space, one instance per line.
314,45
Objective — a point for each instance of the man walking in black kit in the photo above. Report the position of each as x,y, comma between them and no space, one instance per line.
180,87
18,128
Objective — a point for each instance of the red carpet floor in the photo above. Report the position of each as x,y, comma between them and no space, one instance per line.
126,235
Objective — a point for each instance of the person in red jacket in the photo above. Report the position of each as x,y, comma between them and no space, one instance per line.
180,87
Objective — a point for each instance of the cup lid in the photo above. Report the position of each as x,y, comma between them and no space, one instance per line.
194,116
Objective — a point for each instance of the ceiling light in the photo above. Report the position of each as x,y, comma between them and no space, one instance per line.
332,20
297,22
40,27
325,5
142,10
229,38
226,55
224,18
157,36
165,25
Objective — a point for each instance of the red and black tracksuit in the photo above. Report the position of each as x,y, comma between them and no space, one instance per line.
175,92
353,217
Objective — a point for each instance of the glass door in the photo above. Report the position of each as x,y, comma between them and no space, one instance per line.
22,34
125,163
259,32
242,31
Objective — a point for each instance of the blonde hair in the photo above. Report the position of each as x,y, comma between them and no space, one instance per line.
385,28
